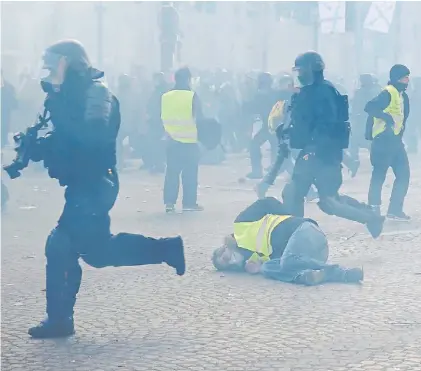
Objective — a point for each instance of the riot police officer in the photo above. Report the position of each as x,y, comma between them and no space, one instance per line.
319,128
80,152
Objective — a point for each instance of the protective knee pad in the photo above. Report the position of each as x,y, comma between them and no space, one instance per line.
58,246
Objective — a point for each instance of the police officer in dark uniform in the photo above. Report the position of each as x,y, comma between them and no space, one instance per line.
319,128
80,152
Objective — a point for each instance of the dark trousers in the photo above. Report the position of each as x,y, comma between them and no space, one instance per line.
388,150
262,136
182,159
327,177
83,230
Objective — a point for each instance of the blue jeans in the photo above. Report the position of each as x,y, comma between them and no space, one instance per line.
307,249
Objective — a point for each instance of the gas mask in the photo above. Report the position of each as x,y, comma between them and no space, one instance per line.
52,72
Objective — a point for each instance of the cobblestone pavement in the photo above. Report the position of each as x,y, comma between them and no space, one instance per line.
147,318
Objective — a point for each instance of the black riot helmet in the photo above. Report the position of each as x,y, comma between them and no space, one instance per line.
310,67
64,57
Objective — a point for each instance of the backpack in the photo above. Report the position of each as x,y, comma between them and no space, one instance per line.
303,131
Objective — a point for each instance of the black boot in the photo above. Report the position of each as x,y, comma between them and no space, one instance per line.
375,225
174,254
57,328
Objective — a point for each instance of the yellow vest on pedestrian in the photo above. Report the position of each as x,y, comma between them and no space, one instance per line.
276,116
394,109
177,115
255,236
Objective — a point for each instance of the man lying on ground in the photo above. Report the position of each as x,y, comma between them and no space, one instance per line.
282,247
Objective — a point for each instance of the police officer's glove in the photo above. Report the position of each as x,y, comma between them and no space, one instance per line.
261,189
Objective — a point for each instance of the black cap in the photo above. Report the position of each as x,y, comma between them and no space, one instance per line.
398,71
182,75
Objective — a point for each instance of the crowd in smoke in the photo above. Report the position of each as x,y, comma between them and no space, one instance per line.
224,94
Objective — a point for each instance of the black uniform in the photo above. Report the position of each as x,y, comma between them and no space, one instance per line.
80,153
319,128
388,150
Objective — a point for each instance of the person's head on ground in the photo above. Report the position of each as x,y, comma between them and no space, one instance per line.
228,257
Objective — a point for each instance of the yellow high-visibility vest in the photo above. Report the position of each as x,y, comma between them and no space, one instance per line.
276,115
395,109
255,236
177,115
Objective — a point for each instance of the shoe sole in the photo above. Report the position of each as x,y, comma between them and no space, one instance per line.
62,336
398,220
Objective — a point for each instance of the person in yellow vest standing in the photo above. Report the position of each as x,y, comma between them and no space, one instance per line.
388,113
282,247
180,109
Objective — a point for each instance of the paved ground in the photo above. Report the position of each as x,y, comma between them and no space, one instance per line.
148,319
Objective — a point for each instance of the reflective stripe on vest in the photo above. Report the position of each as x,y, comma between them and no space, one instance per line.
177,115
394,109
255,236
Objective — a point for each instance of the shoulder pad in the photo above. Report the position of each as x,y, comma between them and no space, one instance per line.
99,102
98,89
